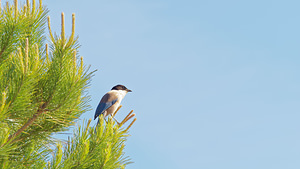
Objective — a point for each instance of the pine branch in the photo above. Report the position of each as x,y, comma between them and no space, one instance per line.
43,91
29,122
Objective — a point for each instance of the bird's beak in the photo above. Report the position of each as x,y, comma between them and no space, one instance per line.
128,90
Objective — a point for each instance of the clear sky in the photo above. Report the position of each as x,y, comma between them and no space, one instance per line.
215,83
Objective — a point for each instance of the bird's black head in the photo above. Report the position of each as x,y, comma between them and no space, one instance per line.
120,87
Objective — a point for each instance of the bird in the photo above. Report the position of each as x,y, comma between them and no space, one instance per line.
111,101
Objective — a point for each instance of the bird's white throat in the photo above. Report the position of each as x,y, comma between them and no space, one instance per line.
120,93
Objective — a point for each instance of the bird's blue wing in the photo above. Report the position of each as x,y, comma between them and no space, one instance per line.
103,106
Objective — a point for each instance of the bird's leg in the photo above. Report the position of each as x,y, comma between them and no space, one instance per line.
115,120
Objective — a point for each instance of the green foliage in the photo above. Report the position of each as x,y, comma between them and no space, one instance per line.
43,91
100,147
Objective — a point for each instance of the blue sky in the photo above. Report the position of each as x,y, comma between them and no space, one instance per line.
215,83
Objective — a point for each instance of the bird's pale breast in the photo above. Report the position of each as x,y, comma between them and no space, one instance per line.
112,95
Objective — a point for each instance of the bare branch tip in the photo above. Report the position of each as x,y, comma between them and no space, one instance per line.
89,122
131,124
73,25
33,5
132,115
28,3
63,27
81,62
128,117
47,51
16,8
49,28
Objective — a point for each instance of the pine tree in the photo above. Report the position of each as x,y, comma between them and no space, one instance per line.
43,90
